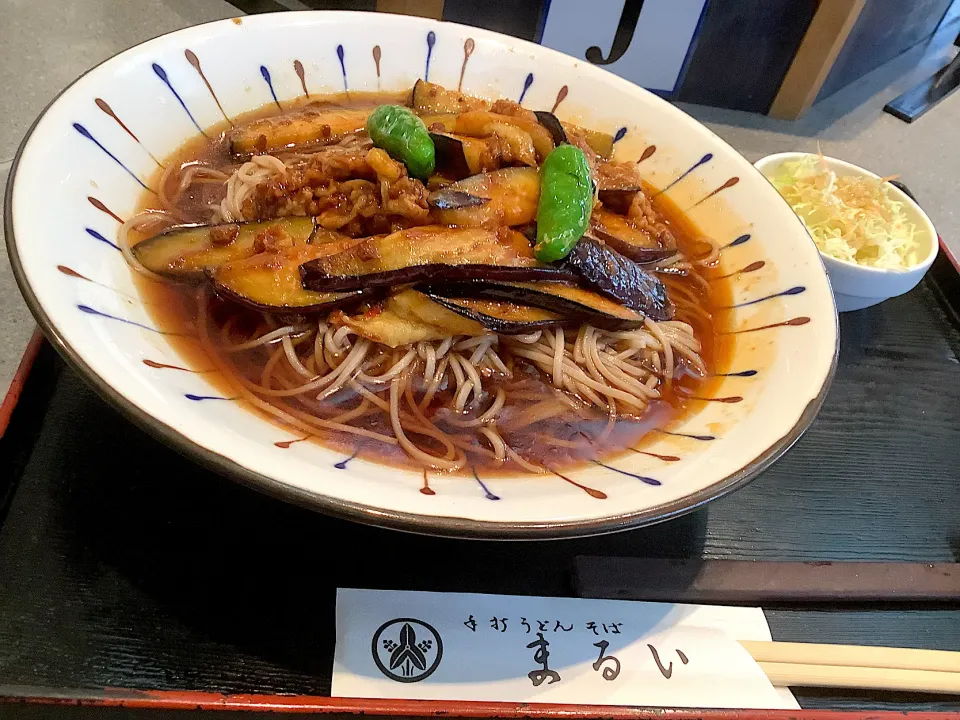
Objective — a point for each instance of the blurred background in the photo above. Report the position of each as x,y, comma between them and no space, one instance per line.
776,57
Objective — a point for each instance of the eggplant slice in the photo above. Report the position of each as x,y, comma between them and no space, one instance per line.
441,122
270,281
430,253
451,156
529,231
406,318
620,278
574,304
185,252
553,126
502,317
481,124
513,195
296,129
450,198
618,184
618,199
600,142
429,98
415,305
627,238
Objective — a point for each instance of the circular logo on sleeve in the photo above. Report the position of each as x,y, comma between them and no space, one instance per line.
407,650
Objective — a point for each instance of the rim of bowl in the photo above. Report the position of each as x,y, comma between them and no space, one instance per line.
432,525
777,159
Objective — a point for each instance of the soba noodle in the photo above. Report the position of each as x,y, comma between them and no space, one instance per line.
443,402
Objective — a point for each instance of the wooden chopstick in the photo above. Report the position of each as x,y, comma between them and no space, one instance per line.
799,675
857,666
853,656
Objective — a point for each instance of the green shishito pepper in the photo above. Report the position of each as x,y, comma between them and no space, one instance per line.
404,136
566,200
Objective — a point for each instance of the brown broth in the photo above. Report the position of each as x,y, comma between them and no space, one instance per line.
174,308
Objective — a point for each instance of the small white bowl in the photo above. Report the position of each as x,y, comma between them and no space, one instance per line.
860,286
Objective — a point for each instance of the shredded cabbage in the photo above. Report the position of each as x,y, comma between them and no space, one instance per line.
850,218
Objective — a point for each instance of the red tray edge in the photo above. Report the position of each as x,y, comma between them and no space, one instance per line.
944,248
386,708
19,379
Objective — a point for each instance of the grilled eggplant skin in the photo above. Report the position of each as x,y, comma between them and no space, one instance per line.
270,281
553,126
451,158
574,304
502,317
299,129
621,279
429,253
406,318
433,272
627,238
450,198
185,252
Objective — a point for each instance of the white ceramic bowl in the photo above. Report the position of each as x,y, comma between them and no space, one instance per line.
859,286
79,166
